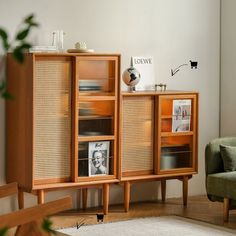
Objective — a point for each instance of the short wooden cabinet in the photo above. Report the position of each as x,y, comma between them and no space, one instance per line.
65,109
159,138
70,127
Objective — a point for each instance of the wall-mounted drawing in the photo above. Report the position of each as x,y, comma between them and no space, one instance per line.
193,65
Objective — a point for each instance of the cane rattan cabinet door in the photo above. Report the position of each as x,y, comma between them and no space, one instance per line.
52,119
138,135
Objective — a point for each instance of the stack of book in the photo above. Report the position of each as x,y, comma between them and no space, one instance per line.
43,49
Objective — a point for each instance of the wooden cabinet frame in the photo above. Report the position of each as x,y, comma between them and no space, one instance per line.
65,68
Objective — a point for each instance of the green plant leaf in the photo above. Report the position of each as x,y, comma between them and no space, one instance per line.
4,37
29,19
7,95
3,33
18,52
47,226
3,231
2,85
25,46
6,45
22,34
18,55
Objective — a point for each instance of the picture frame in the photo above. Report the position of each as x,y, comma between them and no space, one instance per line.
98,153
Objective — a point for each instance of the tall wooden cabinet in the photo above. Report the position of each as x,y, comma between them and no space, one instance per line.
65,106
159,138
70,127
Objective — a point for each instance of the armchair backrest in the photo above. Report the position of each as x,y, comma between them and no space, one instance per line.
213,160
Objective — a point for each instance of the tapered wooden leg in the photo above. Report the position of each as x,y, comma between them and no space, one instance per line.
84,197
185,190
226,209
126,195
41,196
105,198
163,190
20,198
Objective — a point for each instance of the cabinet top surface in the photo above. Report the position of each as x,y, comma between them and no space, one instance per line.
63,54
153,92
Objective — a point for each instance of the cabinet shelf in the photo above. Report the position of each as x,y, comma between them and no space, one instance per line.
95,117
169,134
176,152
87,98
86,158
173,145
84,138
170,116
166,117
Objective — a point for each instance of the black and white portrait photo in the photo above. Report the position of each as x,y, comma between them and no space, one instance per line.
99,158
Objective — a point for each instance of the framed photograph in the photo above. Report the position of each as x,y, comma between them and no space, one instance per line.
181,115
99,158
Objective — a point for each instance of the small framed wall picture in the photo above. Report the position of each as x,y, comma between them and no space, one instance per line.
98,158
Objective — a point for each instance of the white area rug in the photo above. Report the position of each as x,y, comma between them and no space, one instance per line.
158,226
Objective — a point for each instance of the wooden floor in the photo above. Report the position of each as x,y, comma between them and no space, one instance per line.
199,208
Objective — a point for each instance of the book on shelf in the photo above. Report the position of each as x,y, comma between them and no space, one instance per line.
145,66
181,115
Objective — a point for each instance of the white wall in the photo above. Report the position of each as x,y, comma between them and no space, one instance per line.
173,32
228,73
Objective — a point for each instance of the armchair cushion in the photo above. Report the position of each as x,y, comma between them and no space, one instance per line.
222,184
214,162
228,154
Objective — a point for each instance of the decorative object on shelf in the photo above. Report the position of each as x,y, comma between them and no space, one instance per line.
80,47
162,86
181,115
193,65
131,77
89,86
99,158
145,66
58,40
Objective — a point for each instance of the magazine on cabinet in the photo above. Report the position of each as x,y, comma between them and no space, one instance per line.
181,120
99,158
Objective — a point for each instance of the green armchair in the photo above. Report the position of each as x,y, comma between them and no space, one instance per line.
220,185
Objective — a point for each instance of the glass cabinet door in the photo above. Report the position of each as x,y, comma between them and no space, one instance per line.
97,104
177,134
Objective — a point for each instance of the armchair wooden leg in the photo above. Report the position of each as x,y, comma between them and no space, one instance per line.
226,209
